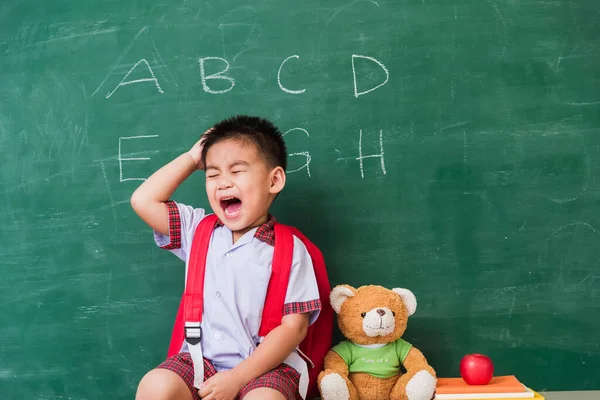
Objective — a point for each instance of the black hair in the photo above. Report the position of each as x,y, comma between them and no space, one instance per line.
259,131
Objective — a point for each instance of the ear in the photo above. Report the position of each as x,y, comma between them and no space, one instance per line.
277,180
339,294
409,299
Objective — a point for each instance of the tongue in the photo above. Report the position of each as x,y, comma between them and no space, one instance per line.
233,208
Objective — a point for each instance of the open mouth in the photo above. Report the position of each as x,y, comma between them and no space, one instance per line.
231,206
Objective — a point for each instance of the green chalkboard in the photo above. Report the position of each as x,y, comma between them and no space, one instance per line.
451,147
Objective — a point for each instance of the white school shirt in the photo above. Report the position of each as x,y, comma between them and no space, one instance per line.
235,286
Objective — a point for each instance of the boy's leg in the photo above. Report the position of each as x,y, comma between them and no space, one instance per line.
162,384
172,380
264,394
279,384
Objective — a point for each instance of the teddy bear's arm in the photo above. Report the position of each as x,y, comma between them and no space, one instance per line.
335,363
419,382
416,361
333,381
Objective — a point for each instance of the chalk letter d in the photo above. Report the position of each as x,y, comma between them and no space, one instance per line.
387,75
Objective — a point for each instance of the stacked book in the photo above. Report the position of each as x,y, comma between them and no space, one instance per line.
499,388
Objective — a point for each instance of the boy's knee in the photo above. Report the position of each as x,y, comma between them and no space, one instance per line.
264,394
162,384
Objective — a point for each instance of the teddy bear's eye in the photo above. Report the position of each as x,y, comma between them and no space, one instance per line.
363,314
393,313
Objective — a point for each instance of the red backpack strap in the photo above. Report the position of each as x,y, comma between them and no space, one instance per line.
177,335
320,334
278,283
194,288
191,305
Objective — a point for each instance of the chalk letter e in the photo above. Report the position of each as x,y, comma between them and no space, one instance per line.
387,75
121,159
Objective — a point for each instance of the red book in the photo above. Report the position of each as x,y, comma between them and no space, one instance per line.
498,384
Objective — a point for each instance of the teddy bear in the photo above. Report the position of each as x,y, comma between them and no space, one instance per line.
367,366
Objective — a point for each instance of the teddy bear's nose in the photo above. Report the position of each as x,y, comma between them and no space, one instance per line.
380,312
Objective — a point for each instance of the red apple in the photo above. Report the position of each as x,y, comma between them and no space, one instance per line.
476,369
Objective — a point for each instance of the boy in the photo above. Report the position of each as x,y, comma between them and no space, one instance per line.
244,159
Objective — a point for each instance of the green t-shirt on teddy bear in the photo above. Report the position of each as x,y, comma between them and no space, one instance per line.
381,362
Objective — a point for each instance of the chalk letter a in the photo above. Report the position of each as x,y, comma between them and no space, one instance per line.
125,82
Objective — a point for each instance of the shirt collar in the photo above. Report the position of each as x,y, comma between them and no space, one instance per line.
265,232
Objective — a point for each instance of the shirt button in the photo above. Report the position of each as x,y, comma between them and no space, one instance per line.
217,336
218,294
230,254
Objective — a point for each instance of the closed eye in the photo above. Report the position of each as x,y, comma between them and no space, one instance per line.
212,172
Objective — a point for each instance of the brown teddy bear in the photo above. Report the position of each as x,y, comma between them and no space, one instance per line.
367,365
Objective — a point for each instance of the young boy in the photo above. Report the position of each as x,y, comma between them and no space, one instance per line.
245,160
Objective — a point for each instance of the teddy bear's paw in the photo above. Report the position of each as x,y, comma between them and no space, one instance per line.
421,386
333,387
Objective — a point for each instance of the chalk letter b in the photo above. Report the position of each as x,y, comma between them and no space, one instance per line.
218,75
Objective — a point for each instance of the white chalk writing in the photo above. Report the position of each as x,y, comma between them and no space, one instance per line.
124,82
387,75
218,75
305,154
279,78
155,56
121,159
361,157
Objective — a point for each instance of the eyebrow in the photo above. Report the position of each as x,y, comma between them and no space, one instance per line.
239,163
233,164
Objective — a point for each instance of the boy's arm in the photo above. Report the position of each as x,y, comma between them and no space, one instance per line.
302,306
148,200
272,351
275,347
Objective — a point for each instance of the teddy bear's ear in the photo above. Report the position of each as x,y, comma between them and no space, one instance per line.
339,294
409,299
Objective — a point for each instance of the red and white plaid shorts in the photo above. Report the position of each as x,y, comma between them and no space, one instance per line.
284,378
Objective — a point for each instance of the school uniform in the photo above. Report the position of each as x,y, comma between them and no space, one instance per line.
235,287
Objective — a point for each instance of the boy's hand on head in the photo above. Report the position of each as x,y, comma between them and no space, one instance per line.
196,151
224,385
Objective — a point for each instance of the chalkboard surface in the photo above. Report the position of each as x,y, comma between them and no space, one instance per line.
450,147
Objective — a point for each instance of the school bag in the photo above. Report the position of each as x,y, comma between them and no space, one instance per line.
189,315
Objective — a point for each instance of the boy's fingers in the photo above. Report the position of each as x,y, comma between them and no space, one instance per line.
203,137
205,390
210,396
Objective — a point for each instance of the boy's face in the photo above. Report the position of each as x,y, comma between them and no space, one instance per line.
240,185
